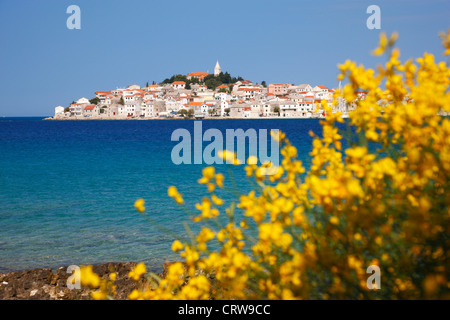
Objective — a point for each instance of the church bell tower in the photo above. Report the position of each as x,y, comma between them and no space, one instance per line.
217,69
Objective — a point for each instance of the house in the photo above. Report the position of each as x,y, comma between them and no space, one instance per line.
288,109
306,108
320,88
207,95
237,110
222,96
134,86
153,109
178,85
303,87
91,110
59,112
243,83
77,108
223,87
132,108
152,87
195,106
194,99
210,107
112,111
267,110
102,94
174,104
224,105
249,93
117,92
255,110
223,99
278,88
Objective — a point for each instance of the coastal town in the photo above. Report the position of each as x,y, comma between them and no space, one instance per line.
200,97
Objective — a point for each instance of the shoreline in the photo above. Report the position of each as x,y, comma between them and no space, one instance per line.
169,119
51,284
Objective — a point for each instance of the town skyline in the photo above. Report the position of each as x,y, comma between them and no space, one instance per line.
201,95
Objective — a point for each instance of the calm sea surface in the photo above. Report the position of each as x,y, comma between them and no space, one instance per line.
67,188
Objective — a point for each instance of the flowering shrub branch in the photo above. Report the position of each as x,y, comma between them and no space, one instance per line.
380,198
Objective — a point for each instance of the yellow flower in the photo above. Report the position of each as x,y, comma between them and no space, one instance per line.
173,193
334,220
208,174
138,271
139,205
446,42
177,246
385,43
382,45
229,157
278,136
134,295
217,201
312,234
98,295
205,235
219,180
89,278
252,160
207,211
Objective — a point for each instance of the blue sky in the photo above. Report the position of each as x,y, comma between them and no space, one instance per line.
43,64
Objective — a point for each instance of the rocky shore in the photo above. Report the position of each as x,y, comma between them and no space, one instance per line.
45,284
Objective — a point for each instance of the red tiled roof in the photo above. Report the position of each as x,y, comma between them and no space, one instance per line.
198,74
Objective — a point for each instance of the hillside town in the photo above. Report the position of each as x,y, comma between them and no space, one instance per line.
178,99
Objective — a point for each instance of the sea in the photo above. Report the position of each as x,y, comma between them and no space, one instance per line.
67,188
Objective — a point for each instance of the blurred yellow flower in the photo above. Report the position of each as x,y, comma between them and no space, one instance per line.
177,246
139,205
138,271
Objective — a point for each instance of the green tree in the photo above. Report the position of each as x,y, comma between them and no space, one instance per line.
95,100
212,82
183,112
276,109
67,109
121,101
227,111
263,83
190,113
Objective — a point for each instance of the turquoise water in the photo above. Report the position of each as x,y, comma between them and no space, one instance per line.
67,188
